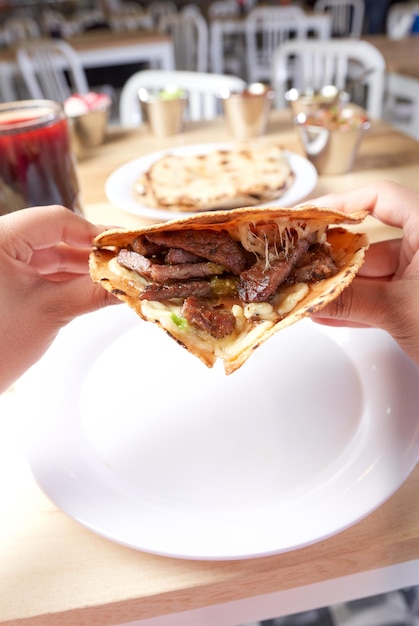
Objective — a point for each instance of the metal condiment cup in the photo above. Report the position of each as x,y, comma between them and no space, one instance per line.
163,110
247,112
332,147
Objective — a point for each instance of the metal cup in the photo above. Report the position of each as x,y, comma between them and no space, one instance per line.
310,101
164,116
332,148
247,112
88,129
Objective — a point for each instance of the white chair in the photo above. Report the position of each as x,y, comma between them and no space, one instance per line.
8,86
347,16
56,23
20,28
227,45
401,104
189,33
161,8
317,63
191,8
203,91
51,69
400,19
265,29
223,8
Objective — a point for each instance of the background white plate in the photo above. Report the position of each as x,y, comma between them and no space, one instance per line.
119,187
136,439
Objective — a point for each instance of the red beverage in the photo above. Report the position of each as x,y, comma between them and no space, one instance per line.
37,165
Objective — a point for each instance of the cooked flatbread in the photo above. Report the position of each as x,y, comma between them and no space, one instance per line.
222,283
220,179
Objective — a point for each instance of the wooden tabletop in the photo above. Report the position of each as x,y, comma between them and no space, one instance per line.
92,40
54,572
401,55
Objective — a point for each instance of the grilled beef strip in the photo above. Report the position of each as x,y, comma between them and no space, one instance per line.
177,289
217,322
161,273
145,247
216,246
177,255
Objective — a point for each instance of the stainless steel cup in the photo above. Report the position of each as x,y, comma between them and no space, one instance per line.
164,116
333,148
88,129
310,101
247,112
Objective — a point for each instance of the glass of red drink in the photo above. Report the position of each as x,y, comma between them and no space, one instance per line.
37,164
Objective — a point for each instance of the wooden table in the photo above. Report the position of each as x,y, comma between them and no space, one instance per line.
54,572
401,55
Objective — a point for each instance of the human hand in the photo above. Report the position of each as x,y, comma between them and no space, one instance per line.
44,282
385,294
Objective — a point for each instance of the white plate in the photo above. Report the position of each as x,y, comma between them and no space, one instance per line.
136,439
119,187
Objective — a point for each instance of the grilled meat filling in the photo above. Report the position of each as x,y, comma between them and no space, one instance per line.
204,267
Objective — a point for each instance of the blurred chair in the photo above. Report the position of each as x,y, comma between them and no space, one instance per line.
55,23
20,28
203,91
131,18
51,69
266,28
401,104
223,8
191,7
316,63
160,8
347,16
227,45
8,86
189,33
400,18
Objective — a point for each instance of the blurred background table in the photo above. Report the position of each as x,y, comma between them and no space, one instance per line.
400,54
101,48
54,572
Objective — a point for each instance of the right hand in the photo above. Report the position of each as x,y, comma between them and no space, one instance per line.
385,293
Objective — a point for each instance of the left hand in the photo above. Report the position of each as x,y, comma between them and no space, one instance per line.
44,282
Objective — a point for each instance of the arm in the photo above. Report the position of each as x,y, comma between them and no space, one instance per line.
44,282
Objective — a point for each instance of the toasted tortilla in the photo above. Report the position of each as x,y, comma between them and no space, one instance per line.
245,175
255,321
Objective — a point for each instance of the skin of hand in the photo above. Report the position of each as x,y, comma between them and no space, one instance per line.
385,293
44,282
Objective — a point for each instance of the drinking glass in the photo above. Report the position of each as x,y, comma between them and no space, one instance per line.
37,164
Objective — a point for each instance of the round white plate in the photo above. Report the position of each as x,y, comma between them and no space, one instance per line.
136,439
119,187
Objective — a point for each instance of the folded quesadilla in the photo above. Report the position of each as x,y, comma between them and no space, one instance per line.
222,283
244,175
